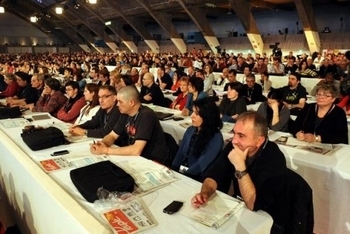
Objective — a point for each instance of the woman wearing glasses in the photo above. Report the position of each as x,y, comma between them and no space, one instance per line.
323,121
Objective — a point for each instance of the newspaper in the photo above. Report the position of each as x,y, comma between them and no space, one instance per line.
60,163
150,176
14,123
320,148
215,213
130,217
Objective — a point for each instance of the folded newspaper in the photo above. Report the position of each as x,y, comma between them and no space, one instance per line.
215,213
131,217
149,176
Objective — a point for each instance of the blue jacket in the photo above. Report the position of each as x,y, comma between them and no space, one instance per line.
189,103
197,165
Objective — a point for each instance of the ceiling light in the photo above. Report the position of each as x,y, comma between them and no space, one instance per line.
33,19
59,10
2,9
108,23
92,1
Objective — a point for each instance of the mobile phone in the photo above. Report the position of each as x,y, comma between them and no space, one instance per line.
62,152
173,207
177,118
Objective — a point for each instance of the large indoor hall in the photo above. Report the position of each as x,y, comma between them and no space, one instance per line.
174,116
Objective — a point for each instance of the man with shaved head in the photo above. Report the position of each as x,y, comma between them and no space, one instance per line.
140,123
150,91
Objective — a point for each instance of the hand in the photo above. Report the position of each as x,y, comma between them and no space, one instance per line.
98,148
234,116
311,138
185,112
274,107
147,97
199,199
237,157
77,131
300,136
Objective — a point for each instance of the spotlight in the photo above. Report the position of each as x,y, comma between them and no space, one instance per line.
59,10
33,19
76,5
2,9
92,1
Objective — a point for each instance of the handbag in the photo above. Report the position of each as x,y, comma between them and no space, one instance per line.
104,174
10,112
43,138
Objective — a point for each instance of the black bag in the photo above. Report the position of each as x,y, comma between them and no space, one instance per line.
10,112
103,174
42,138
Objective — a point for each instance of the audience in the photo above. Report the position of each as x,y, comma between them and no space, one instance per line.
145,135
92,104
76,100
257,168
329,79
252,92
51,99
104,120
208,80
12,86
26,92
195,89
150,91
231,78
276,114
202,142
180,101
264,81
294,94
232,104
164,79
323,121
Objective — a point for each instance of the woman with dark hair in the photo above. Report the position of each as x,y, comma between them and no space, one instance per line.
323,121
92,104
26,92
195,89
276,114
78,77
70,111
232,104
303,70
51,99
202,142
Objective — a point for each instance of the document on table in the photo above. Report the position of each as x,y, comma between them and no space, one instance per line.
320,148
60,163
14,123
215,213
130,217
149,176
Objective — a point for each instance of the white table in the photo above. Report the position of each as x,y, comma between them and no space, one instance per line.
49,203
328,176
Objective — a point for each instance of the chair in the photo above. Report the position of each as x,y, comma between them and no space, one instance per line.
173,147
301,214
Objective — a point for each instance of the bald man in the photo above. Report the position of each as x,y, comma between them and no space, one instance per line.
140,123
150,91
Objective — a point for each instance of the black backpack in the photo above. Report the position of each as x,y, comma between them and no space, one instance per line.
104,175
43,138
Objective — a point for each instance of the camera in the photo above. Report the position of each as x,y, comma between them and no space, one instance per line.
276,52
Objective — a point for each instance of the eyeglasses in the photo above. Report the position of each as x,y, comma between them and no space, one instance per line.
322,95
105,96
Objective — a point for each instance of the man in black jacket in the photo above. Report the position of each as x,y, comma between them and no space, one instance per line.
252,92
104,120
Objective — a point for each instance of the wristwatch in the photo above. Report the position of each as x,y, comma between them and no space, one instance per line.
240,174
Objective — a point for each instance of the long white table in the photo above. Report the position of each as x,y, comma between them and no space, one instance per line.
49,203
328,176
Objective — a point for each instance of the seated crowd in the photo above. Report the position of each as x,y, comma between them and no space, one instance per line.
79,89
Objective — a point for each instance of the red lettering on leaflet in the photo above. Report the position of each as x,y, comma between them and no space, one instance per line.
120,222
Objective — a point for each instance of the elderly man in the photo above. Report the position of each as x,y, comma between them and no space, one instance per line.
150,91
140,123
257,168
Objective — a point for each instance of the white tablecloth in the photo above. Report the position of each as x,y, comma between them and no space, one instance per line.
50,203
